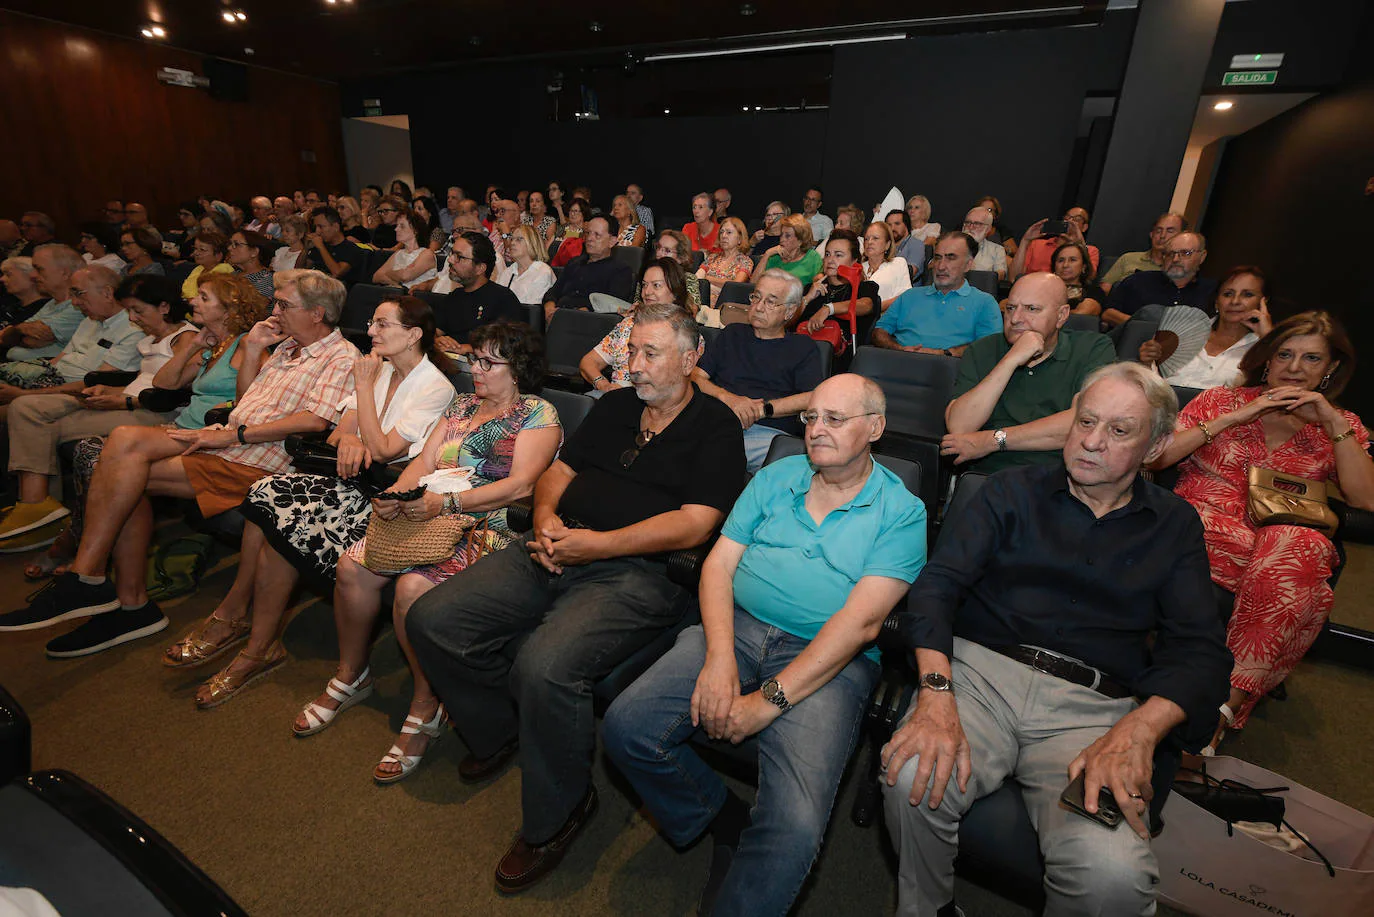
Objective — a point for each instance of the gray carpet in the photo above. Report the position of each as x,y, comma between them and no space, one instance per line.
296,827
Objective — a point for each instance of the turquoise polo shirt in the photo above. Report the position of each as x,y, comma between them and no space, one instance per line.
795,574
62,318
926,317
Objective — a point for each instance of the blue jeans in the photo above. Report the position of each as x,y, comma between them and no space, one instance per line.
757,439
802,756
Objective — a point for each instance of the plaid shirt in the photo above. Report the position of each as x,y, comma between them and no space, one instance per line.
316,378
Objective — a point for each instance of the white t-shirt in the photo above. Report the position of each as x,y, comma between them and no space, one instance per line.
155,355
284,259
927,233
419,401
1207,371
109,260
404,259
530,286
892,277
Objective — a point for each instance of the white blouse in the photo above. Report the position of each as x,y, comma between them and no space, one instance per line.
1207,371
530,286
416,407
109,260
404,259
284,259
892,277
155,355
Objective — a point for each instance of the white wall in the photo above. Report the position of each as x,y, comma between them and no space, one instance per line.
376,153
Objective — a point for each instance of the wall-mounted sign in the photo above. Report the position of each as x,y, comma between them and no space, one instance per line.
1250,78
1256,61
372,112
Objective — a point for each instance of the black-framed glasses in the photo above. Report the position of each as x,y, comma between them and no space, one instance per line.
486,363
642,439
833,421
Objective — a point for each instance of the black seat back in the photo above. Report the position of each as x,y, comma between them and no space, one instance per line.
1186,394
1080,322
362,301
632,255
1142,326
572,333
734,292
572,408
983,280
907,471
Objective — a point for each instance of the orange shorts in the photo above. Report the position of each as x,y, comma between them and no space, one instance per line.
220,485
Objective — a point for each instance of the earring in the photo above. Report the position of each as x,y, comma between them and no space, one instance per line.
1326,380
1265,377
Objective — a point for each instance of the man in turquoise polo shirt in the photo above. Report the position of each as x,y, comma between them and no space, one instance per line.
814,555
945,316
1015,391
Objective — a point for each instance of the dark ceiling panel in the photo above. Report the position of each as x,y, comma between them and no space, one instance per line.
361,37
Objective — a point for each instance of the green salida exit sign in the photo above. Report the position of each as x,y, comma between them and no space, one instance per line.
1250,78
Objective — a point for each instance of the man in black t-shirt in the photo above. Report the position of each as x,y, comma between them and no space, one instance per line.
475,300
593,271
331,251
652,470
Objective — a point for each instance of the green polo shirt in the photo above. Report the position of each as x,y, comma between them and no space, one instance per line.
1127,265
1034,392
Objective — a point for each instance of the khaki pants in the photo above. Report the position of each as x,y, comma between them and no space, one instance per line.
39,423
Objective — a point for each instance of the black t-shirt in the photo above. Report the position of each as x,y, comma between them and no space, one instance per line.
462,311
359,234
581,278
1091,291
12,313
742,364
346,252
1144,288
384,236
698,458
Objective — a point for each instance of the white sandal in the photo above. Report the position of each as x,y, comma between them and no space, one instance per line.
397,755
1229,716
320,717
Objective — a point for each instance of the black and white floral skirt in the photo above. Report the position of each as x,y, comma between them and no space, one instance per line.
309,519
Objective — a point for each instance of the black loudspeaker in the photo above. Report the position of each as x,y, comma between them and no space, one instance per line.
228,80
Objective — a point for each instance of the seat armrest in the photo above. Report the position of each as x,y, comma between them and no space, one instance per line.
1356,524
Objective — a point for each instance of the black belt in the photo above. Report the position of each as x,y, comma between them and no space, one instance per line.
1067,669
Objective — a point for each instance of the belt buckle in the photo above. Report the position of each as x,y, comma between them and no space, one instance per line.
1042,667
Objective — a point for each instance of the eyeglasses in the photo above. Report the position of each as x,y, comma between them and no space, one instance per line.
284,304
383,324
1181,253
833,421
771,302
974,224
642,439
387,210
486,363
772,216
234,243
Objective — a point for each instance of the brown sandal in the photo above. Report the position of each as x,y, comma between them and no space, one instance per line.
223,686
193,649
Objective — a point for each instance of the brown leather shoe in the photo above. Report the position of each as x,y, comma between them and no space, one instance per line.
474,770
524,864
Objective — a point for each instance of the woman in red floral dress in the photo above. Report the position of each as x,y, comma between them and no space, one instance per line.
1280,418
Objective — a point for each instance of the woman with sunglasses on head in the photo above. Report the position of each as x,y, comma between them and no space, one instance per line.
504,436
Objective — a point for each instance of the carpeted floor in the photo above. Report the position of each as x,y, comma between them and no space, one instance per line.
296,827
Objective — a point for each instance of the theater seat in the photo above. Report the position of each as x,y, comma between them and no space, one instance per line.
631,255
572,334
1139,329
362,302
1080,322
983,280
572,408
733,291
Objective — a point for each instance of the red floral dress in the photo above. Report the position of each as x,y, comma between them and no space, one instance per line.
1279,573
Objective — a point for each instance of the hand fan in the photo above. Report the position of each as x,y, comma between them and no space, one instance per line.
1183,332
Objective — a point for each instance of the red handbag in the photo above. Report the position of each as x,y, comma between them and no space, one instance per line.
832,331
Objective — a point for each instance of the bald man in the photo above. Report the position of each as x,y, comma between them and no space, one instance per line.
135,216
784,652
10,239
1015,390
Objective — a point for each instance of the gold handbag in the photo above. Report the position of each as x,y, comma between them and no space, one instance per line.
396,545
1276,498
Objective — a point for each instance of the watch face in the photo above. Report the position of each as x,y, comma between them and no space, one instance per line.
935,681
769,689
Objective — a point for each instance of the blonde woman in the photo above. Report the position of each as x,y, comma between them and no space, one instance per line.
528,275
732,263
890,274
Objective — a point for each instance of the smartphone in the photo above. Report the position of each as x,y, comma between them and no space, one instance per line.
1107,811
1054,228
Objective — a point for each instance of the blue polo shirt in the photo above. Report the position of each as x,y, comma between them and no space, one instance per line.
926,317
794,573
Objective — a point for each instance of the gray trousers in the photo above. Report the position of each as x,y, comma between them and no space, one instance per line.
1027,726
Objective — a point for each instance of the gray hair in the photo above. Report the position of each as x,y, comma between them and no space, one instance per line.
42,219
794,286
102,276
1159,395
21,263
64,257
686,329
923,199
317,291
786,210
874,401
704,196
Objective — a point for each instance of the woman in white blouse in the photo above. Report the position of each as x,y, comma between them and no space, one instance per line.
413,262
528,275
292,253
918,209
1242,306
892,275
300,524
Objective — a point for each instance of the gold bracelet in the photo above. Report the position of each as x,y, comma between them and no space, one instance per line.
1206,433
1349,432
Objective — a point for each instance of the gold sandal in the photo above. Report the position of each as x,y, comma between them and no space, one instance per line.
226,684
193,649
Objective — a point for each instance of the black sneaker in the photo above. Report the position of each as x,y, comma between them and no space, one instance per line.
102,632
62,599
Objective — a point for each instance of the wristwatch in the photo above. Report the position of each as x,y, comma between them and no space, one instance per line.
774,694
243,427
768,409
1000,438
934,681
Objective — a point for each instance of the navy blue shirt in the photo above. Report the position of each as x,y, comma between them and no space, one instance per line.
581,278
1146,288
1027,563
742,364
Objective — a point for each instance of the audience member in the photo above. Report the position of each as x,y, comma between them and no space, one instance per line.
475,298
720,204
113,213
216,220
261,209
671,243
593,271
1166,227
426,210
208,250
139,247
557,204
293,253
702,231
1074,266
731,263
1242,307
1036,253
945,316
136,217
918,214
11,242
589,588
628,229
250,254
830,294
48,330
990,255
400,189
999,233
909,248
37,229
795,251
1031,661
767,237
450,208
762,373
528,275
99,245
413,262
892,275
330,251
388,209
1014,393
1280,418
642,210
579,211
661,283
1177,285
297,389
22,298
351,219
811,209
795,672
544,224
40,422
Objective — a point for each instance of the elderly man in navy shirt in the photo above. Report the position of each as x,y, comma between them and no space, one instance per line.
1032,628
812,558
1177,285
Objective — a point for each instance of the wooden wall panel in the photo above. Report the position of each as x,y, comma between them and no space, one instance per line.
83,119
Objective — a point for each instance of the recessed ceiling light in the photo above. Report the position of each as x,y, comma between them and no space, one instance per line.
241,16
594,26
746,108
1223,106
249,51
747,9
153,30
665,111
758,108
